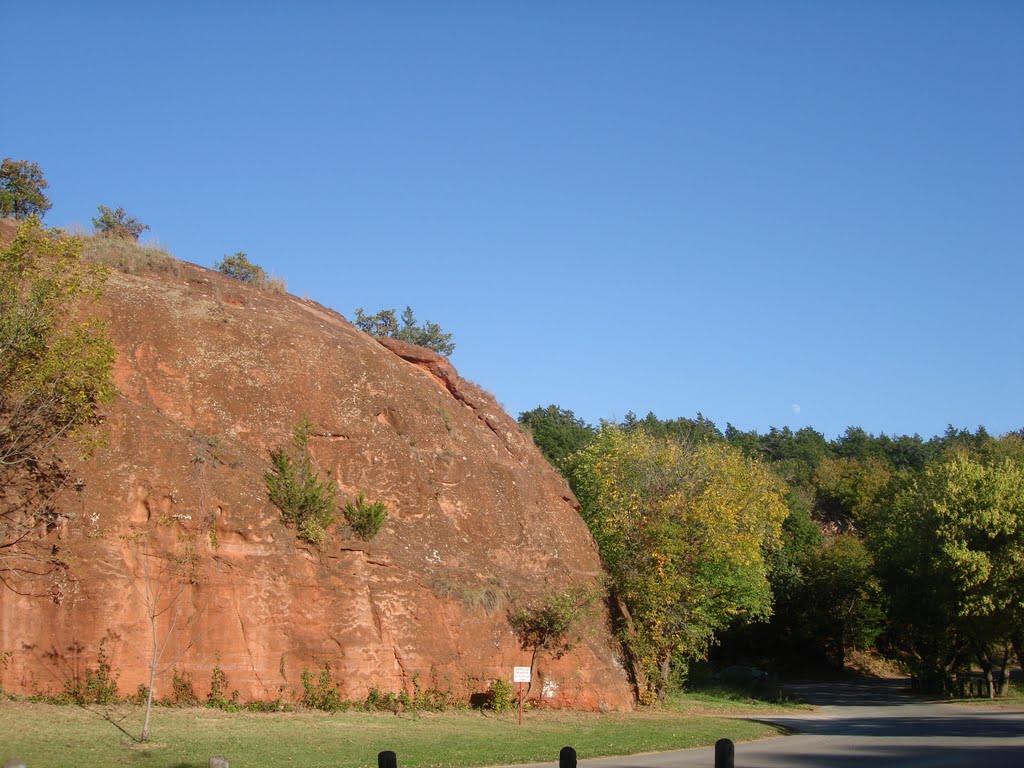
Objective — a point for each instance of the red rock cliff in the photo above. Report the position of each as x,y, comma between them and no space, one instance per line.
212,376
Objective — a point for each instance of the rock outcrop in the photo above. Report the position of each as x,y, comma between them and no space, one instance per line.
212,375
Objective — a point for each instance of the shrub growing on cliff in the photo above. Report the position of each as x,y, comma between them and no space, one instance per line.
547,627
429,335
240,268
117,223
296,488
366,519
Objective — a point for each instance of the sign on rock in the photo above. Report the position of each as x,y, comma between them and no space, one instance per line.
520,674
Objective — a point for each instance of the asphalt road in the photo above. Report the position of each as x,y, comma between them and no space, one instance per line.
867,725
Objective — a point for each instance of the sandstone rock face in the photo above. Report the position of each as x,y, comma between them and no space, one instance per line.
212,375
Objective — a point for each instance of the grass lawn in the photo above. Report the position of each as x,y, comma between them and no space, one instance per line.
50,736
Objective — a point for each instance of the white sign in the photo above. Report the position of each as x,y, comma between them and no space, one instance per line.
520,674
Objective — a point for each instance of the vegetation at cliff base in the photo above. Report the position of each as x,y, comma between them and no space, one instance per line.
190,736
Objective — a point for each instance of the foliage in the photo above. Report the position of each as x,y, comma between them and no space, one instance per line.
117,223
683,534
183,694
502,696
21,190
321,692
96,686
54,375
547,626
557,432
951,555
366,520
384,323
216,698
296,488
240,268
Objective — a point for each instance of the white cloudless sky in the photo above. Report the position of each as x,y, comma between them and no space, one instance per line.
788,213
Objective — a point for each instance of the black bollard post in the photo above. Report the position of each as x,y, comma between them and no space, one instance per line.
567,758
725,754
387,759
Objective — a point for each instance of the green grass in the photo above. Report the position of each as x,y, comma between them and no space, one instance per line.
55,736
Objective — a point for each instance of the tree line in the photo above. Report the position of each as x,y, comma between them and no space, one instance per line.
786,548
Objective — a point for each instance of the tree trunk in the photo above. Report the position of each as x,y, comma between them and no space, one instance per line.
628,637
665,669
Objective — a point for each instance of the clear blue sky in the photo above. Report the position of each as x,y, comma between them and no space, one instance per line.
775,213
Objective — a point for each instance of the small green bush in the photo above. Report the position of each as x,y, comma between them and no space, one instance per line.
321,692
96,686
240,268
183,694
297,490
218,687
501,696
365,519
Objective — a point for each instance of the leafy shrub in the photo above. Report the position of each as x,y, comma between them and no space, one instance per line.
295,487
547,626
366,520
240,268
321,692
501,697
111,223
218,687
380,701
183,694
97,686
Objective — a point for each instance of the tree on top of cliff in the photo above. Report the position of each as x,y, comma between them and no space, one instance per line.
384,323
54,373
118,223
21,189
240,268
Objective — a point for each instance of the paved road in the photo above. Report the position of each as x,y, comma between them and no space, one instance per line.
868,725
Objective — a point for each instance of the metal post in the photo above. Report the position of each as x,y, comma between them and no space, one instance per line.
520,703
387,759
567,758
725,754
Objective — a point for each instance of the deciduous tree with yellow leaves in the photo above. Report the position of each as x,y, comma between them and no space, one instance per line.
683,533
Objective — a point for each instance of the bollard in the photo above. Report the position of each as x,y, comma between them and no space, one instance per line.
567,758
725,754
218,761
387,759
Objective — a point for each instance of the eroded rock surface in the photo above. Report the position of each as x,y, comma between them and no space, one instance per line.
212,376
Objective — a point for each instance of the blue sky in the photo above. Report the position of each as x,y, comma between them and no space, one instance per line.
774,213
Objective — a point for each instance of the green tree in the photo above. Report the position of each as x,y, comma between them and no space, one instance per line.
117,223
557,432
54,374
21,190
240,268
547,626
950,551
384,323
683,534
